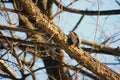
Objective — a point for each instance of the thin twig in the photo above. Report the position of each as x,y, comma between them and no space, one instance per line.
9,10
28,42
76,26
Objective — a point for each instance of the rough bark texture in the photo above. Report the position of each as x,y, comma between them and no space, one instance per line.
53,73
60,38
59,72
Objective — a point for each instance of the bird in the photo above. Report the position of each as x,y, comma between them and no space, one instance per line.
75,39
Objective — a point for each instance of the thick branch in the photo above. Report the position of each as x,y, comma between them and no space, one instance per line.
98,48
60,38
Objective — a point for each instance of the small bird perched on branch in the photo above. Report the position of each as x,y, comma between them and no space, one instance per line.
75,39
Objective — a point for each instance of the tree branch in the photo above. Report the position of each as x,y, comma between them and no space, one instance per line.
101,47
9,10
29,42
97,51
84,12
5,68
4,27
60,38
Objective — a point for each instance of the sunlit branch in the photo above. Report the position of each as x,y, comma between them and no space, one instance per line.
5,68
107,50
78,54
102,47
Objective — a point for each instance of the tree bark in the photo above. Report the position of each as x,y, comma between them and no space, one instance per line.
60,38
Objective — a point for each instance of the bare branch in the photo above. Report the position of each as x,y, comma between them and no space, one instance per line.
9,10
78,22
78,54
98,51
117,2
4,27
28,42
105,12
5,68
101,47
104,49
